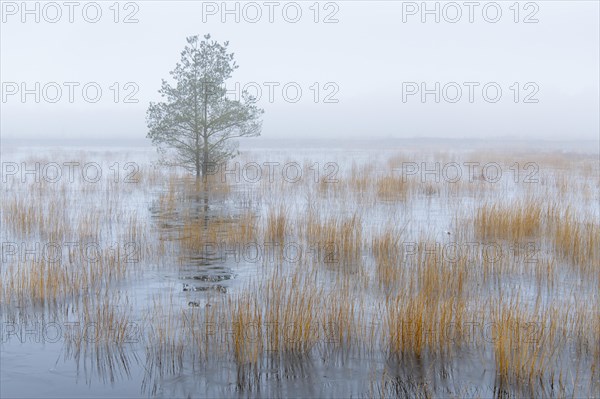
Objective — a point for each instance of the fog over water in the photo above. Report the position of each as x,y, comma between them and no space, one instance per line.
366,58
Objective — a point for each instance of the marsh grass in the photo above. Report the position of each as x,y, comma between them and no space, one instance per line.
340,237
374,299
524,346
515,221
417,326
576,240
388,251
277,223
392,188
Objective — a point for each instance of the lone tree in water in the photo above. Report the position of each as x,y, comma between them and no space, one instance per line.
194,126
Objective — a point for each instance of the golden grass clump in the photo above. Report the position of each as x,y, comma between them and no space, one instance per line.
105,320
392,188
516,221
524,346
436,277
39,282
247,323
360,178
340,238
388,252
341,318
281,315
50,278
276,225
292,314
417,324
32,217
575,240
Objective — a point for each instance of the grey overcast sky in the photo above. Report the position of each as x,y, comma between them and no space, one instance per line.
370,66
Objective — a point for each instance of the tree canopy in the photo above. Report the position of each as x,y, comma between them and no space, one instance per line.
195,124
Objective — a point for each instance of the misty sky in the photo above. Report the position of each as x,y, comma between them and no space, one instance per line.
366,57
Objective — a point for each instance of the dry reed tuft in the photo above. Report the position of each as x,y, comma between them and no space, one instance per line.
576,241
392,188
516,221
276,225
524,346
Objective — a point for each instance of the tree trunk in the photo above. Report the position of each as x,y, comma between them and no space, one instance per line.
205,159
196,131
198,168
